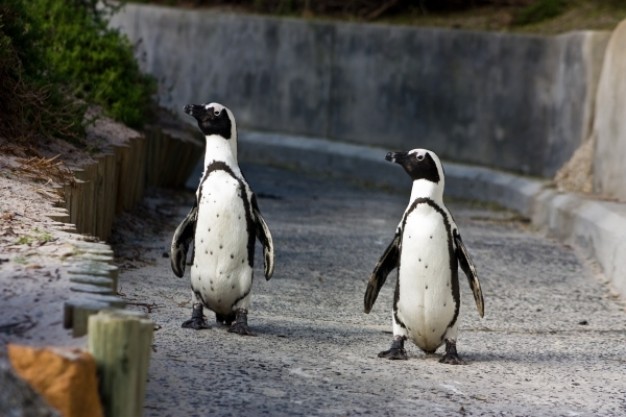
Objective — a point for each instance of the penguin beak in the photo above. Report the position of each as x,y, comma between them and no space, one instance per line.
197,111
396,157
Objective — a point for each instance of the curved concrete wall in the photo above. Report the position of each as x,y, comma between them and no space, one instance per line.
519,103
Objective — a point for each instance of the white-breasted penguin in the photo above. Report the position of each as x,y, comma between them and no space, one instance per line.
224,224
427,249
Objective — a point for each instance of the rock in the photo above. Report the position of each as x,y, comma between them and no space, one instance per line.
18,399
577,174
66,378
609,126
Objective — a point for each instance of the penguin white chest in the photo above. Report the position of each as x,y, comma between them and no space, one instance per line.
426,304
221,273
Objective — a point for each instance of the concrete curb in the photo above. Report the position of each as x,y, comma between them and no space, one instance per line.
597,227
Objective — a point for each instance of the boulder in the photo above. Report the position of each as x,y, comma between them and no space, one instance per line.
66,378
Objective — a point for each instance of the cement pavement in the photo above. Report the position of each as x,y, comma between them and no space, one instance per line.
551,342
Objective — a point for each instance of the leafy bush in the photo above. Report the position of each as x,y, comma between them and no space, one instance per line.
32,103
55,57
96,61
540,10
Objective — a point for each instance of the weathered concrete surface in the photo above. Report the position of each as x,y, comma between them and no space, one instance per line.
597,227
520,103
276,76
609,170
479,98
315,353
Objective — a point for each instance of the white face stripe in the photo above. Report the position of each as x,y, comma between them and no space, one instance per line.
217,108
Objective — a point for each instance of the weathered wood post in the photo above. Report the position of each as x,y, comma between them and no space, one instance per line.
121,342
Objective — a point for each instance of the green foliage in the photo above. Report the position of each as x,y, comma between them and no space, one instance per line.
540,10
32,104
57,56
95,60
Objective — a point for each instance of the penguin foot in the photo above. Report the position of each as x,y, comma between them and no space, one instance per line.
226,319
240,326
452,360
197,320
451,357
396,351
394,354
196,324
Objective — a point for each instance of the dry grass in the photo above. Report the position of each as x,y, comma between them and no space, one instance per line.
49,170
585,16
581,15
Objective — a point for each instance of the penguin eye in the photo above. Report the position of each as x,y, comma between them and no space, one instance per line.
216,113
420,157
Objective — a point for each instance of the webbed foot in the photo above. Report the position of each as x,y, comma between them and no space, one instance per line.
451,357
240,326
396,351
197,320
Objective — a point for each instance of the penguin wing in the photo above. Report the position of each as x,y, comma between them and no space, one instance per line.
387,263
470,270
265,237
180,241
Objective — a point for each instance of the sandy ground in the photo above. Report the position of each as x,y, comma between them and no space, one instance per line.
34,250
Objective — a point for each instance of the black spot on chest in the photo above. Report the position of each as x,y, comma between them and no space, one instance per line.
243,193
419,203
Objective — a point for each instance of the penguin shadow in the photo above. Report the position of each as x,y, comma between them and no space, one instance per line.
268,196
470,355
313,334
372,341
547,356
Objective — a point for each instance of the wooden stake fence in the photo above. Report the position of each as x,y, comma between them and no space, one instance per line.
121,343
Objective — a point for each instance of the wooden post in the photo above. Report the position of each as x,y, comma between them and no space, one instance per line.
77,310
93,280
121,342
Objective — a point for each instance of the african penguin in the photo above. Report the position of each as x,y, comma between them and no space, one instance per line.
427,249
224,223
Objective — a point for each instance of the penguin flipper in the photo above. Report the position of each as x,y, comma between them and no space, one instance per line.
180,241
265,237
385,265
470,271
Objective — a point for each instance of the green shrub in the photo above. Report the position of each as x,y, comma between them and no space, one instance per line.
57,56
96,61
540,10
32,103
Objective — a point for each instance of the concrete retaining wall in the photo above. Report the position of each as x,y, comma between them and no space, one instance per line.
519,103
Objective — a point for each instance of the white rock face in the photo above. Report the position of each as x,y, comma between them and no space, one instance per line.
609,170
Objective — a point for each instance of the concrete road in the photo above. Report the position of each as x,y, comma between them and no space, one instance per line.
552,342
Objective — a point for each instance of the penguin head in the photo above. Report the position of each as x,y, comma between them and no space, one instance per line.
424,168
213,119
